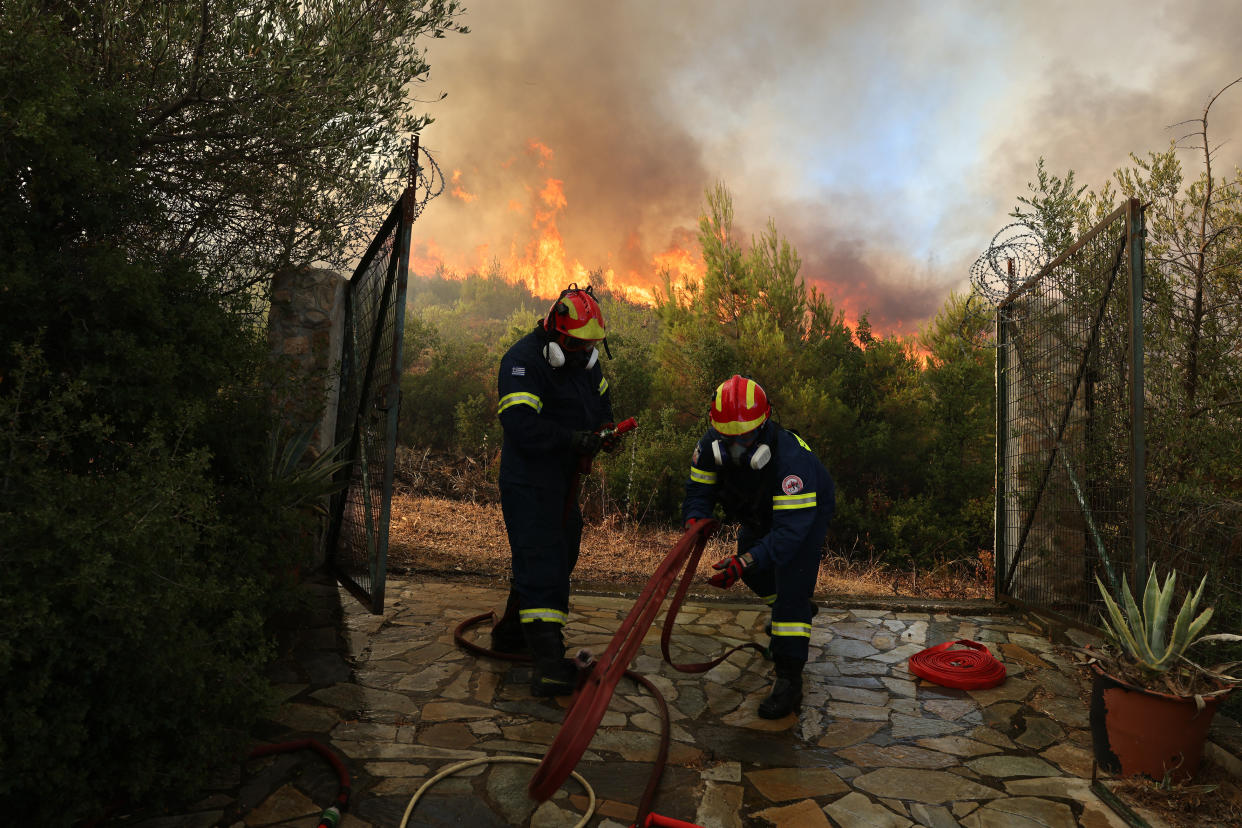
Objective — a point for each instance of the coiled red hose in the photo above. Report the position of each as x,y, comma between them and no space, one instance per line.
973,668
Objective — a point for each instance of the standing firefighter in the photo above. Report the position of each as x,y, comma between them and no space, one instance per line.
553,402
767,479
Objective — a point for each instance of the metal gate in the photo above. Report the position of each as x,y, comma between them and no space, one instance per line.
370,396
1070,463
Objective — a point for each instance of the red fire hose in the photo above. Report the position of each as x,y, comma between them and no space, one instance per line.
594,693
592,698
332,815
657,821
971,669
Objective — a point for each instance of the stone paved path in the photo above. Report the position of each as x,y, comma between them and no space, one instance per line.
873,746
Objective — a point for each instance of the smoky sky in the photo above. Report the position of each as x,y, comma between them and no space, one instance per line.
886,140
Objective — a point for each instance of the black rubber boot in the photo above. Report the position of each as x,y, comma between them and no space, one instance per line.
507,634
554,675
786,695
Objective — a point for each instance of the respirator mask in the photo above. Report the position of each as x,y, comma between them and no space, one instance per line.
745,450
559,355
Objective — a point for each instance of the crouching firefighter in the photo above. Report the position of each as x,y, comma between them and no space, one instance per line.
767,479
554,403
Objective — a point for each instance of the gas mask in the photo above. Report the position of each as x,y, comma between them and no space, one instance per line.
559,357
736,453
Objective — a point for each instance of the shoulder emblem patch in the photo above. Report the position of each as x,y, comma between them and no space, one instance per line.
694,458
791,485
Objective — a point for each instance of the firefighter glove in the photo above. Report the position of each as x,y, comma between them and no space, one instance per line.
730,570
609,439
586,443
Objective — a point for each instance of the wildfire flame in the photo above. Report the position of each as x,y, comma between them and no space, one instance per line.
543,265
457,191
536,256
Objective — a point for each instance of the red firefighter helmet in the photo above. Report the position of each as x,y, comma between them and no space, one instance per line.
739,406
576,314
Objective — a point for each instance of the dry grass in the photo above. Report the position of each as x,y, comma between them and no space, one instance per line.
446,520
441,535
1214,798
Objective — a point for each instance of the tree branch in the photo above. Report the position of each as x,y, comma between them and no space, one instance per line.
192,93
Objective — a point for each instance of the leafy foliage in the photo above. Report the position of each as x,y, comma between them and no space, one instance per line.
270,132
1192,336
149,518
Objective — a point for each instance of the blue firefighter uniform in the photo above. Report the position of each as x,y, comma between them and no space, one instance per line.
784,509
540,408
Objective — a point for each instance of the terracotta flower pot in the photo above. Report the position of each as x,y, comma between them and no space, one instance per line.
1143,732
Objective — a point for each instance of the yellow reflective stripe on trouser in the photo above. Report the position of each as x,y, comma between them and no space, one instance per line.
543,614
790,629
520,398
603,385
700,476
806,500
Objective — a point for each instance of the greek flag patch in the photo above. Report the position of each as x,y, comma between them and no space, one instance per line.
519,370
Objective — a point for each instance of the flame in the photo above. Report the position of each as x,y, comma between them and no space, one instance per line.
543,264
458,191
427,257
681,264
536,255
543,151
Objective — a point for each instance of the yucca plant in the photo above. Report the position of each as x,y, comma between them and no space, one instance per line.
1143,633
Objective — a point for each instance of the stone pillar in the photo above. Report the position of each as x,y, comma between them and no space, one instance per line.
306,327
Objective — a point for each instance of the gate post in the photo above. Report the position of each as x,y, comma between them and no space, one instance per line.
305,332
1138,443
1000,553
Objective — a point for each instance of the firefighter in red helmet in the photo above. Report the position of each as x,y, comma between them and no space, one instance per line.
553,402
767,479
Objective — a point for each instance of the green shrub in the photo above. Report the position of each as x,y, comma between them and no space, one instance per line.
647,476
140,567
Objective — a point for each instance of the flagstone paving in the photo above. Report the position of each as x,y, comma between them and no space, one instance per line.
873,745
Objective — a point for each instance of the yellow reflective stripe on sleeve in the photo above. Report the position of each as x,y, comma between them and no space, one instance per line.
790,629
769,599
543,614
700,476
802,442
806,500
520,398
603,386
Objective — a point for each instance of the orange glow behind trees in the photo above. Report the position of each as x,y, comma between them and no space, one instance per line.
528,247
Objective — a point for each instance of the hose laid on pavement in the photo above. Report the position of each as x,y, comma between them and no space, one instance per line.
332,815
971,669
592,698
595,691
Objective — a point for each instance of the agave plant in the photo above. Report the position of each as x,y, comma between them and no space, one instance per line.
304,484
1143,632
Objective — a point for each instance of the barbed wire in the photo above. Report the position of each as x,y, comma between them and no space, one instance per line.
1015,255
425,175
